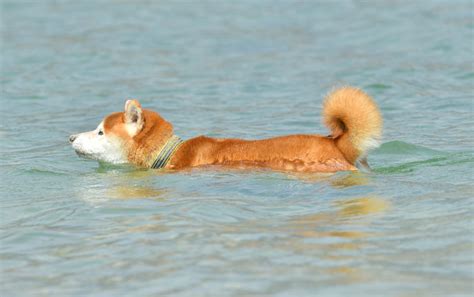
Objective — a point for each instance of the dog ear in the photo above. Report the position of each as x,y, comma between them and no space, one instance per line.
133,116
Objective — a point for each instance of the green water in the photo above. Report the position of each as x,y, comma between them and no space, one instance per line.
249,69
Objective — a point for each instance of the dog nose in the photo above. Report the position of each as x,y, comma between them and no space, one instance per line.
72,138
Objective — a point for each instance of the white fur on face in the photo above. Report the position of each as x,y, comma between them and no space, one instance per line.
106,148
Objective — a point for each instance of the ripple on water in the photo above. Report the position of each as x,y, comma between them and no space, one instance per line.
405,157
248,69
378,87
404,148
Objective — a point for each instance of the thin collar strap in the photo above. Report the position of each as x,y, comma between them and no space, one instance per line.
166,152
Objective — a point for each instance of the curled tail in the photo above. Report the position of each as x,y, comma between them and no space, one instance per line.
354,120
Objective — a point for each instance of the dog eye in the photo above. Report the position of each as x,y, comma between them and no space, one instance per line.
101,132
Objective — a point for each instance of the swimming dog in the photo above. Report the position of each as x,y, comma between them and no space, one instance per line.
143,138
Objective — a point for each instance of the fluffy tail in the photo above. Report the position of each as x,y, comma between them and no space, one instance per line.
354,120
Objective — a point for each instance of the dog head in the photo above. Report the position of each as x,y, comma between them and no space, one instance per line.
131,136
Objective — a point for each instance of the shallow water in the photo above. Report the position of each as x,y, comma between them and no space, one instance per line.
72,227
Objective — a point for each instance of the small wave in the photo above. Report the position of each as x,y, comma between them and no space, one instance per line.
424,157
107,167
45,172
378,86
403,148
410,166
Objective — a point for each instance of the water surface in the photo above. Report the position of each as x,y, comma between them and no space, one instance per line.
72,227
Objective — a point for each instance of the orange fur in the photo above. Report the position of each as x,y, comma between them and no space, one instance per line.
351,115
354,120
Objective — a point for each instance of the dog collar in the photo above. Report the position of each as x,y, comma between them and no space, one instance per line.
167,152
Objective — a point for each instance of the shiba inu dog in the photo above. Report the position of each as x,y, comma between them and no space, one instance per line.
143,138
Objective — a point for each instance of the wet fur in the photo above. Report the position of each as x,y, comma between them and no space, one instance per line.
351,115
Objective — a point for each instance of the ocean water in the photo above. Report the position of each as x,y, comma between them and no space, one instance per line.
249,69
